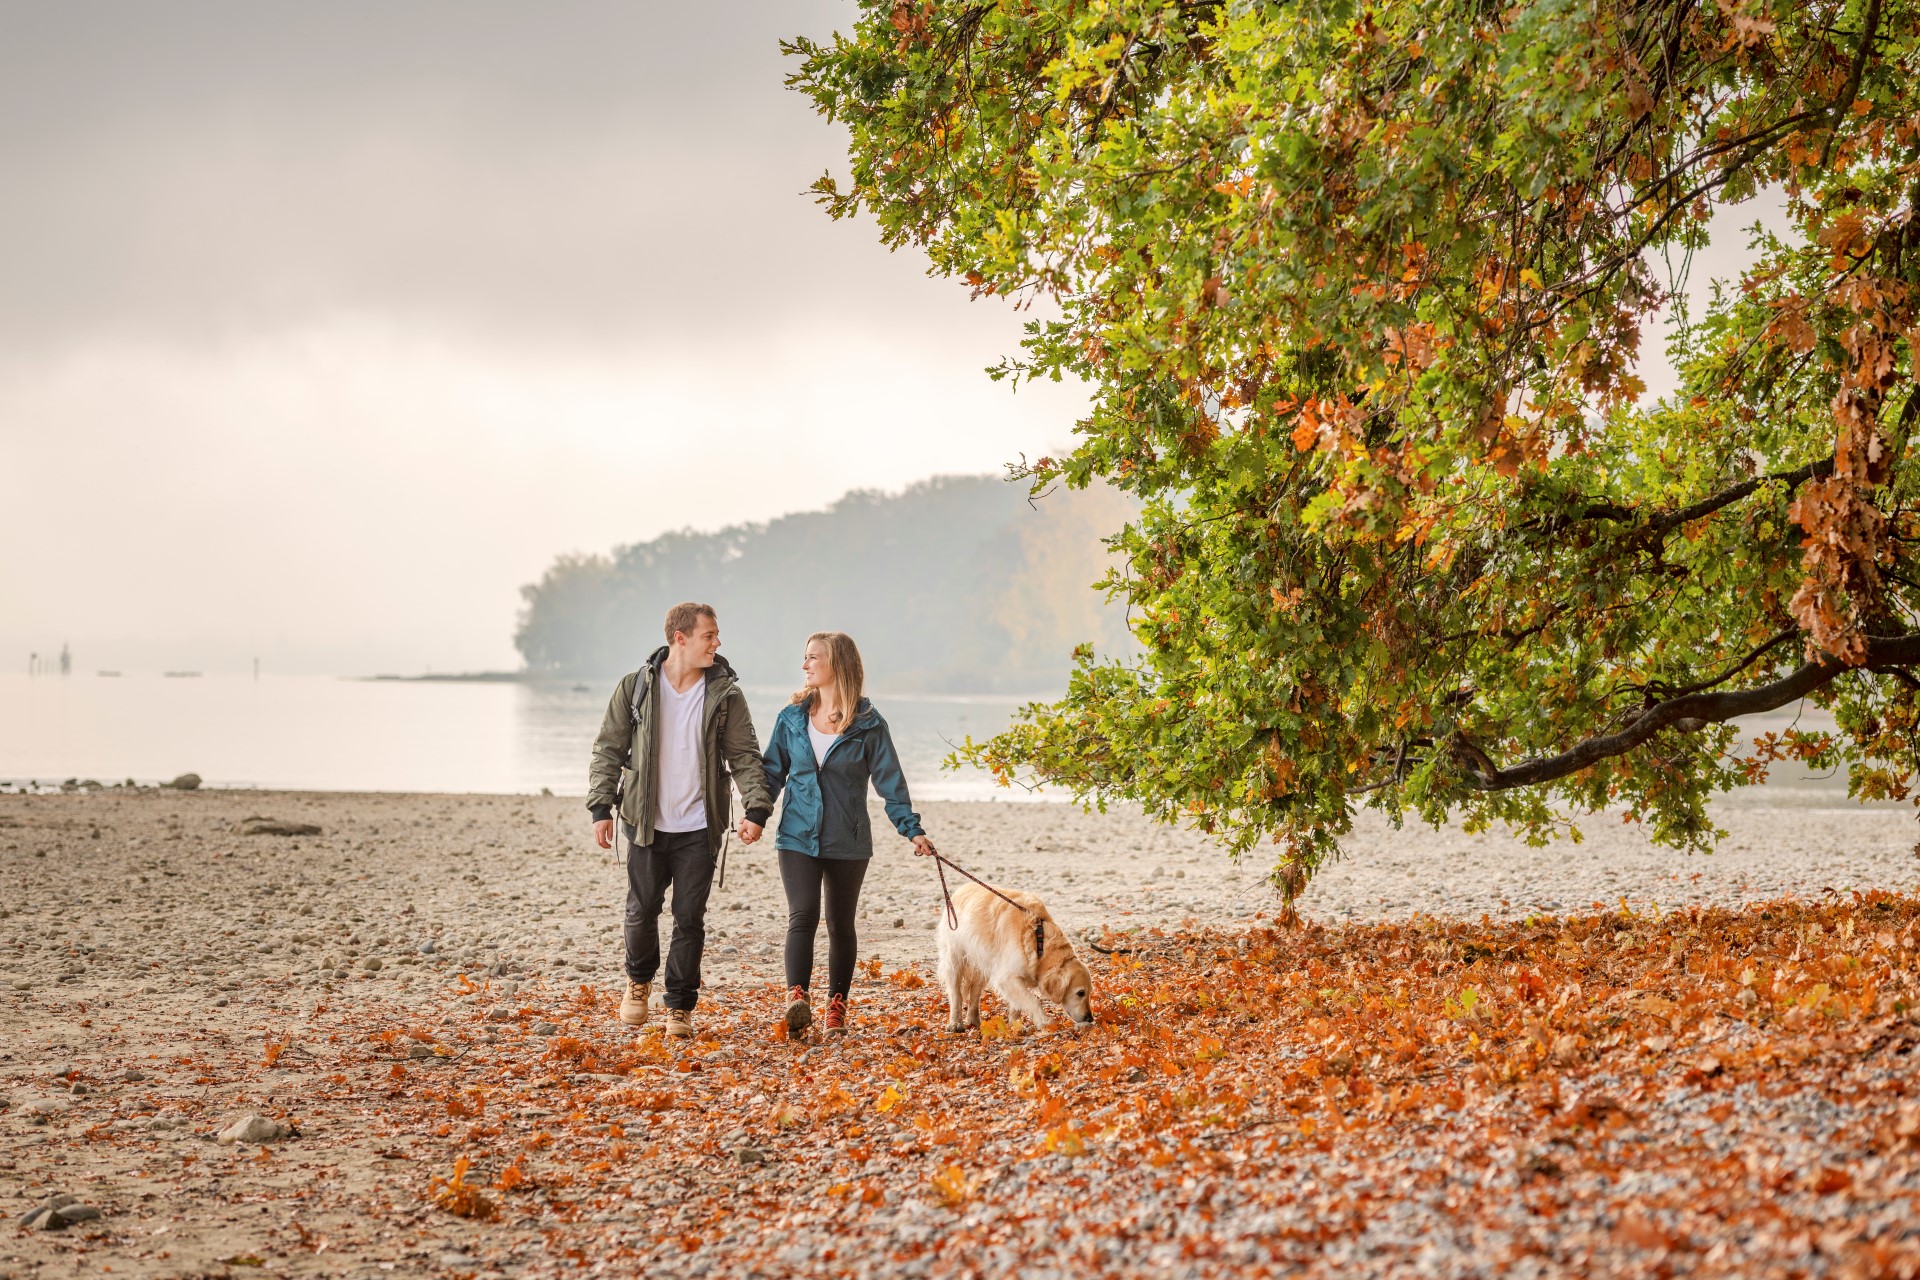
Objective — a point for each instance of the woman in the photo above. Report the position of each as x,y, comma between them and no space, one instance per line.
823,750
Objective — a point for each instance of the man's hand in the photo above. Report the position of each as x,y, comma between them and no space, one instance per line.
603,833
922,847
749,831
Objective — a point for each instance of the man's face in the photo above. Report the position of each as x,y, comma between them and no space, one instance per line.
698,646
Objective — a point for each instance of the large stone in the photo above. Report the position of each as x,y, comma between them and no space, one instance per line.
57,1213
257,826
185,782
47,1206
252,1128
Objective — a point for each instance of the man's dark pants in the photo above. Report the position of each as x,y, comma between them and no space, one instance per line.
685,861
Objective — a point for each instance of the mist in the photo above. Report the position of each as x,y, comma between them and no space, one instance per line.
325,330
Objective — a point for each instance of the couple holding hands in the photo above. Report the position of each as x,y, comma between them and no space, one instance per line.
675,733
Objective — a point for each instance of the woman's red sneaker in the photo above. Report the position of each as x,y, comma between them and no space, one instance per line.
836,1019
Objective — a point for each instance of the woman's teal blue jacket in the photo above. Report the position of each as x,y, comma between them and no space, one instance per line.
824,809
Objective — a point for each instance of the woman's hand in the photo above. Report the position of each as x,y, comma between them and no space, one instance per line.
922,847
749,831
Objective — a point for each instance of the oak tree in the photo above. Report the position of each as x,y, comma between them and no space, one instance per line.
1361,293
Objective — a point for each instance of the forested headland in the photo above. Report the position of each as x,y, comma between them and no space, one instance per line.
959,584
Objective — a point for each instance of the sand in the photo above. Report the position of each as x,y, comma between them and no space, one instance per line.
143,944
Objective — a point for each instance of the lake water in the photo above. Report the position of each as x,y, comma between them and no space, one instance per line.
327,734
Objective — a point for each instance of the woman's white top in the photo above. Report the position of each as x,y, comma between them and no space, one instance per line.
821,742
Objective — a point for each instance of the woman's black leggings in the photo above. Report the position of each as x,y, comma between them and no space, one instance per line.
803,877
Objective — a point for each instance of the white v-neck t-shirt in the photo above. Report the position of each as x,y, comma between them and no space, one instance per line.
682,799
822,742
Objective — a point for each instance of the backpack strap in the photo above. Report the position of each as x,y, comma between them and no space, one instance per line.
640,688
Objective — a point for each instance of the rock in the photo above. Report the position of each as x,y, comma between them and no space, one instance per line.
185,782
419,1051
72,1213
427,948
78,1090
41,1110
131,1075
47,1206
252,1128
220,1002
547,1029
258,826
750,1155
372,964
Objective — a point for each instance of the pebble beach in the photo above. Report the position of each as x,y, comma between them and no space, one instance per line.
145,924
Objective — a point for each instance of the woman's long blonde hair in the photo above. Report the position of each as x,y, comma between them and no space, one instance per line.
849,676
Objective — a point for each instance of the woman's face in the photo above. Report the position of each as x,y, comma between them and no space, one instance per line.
816,665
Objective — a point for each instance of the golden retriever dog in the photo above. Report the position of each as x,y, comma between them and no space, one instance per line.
993,947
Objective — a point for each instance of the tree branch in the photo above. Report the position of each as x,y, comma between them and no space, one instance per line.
1691,712
1758,653
1844,103
1665,522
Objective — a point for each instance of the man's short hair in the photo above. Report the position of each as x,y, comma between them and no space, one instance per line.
686,616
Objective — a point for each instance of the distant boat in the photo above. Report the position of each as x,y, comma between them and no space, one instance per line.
182,675
108,675
580,688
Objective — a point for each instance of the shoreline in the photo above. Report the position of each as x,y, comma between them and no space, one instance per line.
1092,868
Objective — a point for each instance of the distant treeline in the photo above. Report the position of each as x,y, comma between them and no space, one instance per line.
959,584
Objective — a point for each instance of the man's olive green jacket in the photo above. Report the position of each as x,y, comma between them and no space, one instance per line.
729,747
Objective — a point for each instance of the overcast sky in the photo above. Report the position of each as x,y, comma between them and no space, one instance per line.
324,327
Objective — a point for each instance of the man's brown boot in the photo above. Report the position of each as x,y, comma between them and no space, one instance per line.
634,1010
680,1023
835,1022
799,1012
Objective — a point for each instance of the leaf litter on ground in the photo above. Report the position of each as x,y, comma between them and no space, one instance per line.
1714,1092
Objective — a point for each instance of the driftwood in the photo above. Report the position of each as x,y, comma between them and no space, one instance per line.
274,827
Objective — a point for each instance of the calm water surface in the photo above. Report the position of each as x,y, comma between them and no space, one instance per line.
328,734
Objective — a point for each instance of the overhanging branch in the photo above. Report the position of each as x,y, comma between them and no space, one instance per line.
1692,711
1664,522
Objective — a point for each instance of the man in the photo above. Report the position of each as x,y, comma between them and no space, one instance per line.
677,727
